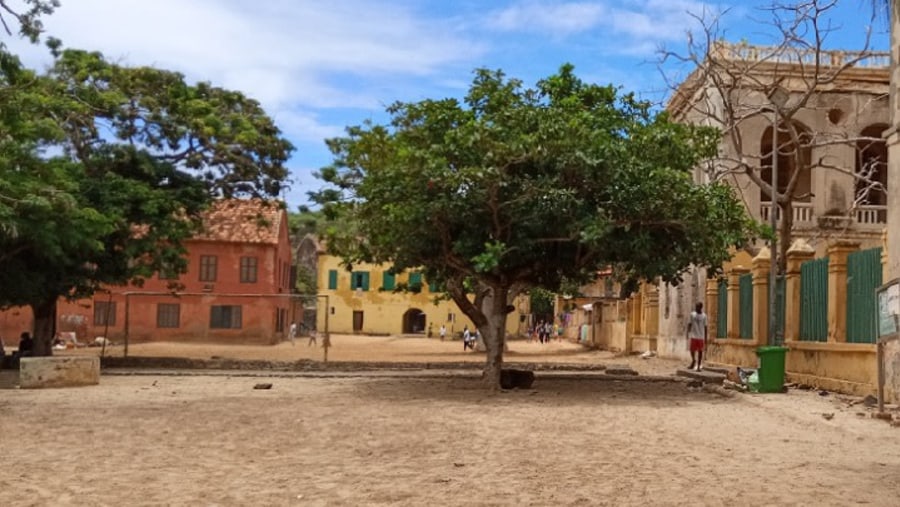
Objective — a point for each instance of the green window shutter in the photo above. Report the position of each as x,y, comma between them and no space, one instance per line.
415,280
365,280
332,279
432,286
388,281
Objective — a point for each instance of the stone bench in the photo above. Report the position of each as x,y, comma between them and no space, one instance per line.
38,372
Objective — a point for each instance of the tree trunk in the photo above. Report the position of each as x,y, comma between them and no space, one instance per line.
44,327
494,334
784,236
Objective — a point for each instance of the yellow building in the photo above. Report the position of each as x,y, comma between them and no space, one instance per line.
363,301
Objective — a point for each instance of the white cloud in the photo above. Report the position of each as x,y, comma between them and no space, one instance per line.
565,18
305,126
279,51
633,26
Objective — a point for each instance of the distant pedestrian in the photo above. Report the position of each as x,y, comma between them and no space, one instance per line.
696,335
26,345
443,332
466,337
312,337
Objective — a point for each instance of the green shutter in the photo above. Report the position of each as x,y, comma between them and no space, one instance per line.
332,279
432,286
415,281
814,300
745,302
722,318
365,280
863,277
388,281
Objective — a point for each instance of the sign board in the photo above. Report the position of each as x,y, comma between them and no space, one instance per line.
888,299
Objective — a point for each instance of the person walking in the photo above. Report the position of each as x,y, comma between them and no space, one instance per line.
312,337
696,335
443,332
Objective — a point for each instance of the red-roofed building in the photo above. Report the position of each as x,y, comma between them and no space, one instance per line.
236,289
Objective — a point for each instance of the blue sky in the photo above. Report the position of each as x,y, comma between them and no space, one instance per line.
318,66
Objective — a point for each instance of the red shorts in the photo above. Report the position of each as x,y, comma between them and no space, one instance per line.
697,344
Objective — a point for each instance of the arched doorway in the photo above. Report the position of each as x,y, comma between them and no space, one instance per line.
871,167
793,155
414,321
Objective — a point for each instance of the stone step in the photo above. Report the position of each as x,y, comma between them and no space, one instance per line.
717,369
705,376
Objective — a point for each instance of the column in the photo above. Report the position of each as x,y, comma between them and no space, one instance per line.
651,302
760,272
799,253
712,307
837,289
734,301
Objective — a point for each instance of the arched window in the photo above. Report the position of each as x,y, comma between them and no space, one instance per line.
792,156
871,167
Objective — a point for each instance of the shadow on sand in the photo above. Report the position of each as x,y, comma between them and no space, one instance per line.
553,389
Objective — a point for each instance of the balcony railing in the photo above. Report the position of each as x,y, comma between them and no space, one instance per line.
870,214
803,212
830,58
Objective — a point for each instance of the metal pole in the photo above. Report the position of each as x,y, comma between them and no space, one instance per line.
773,262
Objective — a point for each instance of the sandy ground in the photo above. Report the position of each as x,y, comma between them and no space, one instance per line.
389,349
211,439
204,440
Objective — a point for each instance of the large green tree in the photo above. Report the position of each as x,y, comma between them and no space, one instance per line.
105,170
517,187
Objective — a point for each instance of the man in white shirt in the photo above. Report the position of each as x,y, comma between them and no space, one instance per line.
443,332
696,335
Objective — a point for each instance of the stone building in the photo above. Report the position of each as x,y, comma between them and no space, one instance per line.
831,157
236,288
366,301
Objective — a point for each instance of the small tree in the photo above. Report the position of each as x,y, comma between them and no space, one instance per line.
738,88
526,187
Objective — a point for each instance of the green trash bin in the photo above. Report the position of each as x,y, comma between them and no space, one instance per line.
771,369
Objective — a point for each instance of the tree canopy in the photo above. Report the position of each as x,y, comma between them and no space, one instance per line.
518,187
105,169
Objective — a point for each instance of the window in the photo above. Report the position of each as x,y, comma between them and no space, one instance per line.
280,319
208,264
359,280
388,281
415,281
433,287
248,269
332,279
104,313
225,317
168,315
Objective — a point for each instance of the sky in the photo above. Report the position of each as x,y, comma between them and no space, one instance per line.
319,66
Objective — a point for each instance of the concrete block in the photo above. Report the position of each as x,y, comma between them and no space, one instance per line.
707,377
38,372
619,369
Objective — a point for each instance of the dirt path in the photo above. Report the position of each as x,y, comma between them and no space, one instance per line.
377,441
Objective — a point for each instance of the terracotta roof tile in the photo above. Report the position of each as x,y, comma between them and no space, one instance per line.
242,221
